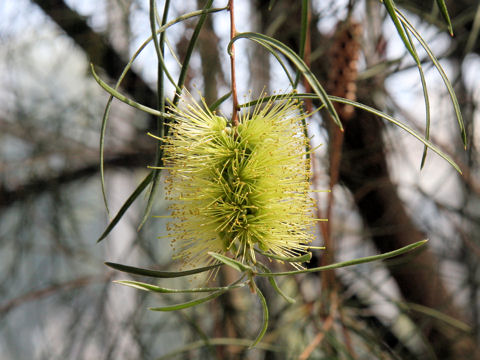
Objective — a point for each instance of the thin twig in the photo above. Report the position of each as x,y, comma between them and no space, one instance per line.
233,32
327,324
336,142
346,334
323,225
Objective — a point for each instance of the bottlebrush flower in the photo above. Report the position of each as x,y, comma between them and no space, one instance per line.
236,189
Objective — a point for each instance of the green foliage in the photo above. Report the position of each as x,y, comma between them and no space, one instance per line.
203,154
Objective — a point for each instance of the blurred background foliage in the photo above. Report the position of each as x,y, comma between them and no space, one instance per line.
57,300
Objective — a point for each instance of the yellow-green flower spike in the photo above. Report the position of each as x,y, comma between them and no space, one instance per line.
234,190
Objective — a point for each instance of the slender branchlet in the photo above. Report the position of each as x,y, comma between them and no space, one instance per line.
233,32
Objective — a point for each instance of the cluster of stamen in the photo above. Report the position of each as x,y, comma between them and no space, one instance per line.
238,189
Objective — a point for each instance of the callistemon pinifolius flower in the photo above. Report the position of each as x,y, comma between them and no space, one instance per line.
236,189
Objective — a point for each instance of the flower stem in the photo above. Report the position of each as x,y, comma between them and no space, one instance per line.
233,32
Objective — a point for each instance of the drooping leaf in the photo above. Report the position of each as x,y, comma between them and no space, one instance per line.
400,125
237,265
189,51
275,286
161,70
373,111
362,260
425,96
189,304
299,64
390,6
120,80
265,316
115,93
126,205
297,259
159,274
220,101
442,73
153,288
303,36
443,9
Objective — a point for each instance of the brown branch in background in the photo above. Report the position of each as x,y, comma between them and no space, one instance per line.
327,325
37,186
233,32
346,334
51,290
328,278
308,109
342,82
212,74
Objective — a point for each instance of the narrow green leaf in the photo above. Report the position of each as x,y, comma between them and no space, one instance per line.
427,116
120,79
363,260
437,315
237,265
189,303
161,70
106,115
400,125
303,36
444,11
126,205
125,99
161,30
263,330
172,52
425,96
442,73
474,33
298,259
370,110
270,5
278,97
275,286
103,130
282,64
299,64
159,274
160,44
390,6
219,102
158,289
189,52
